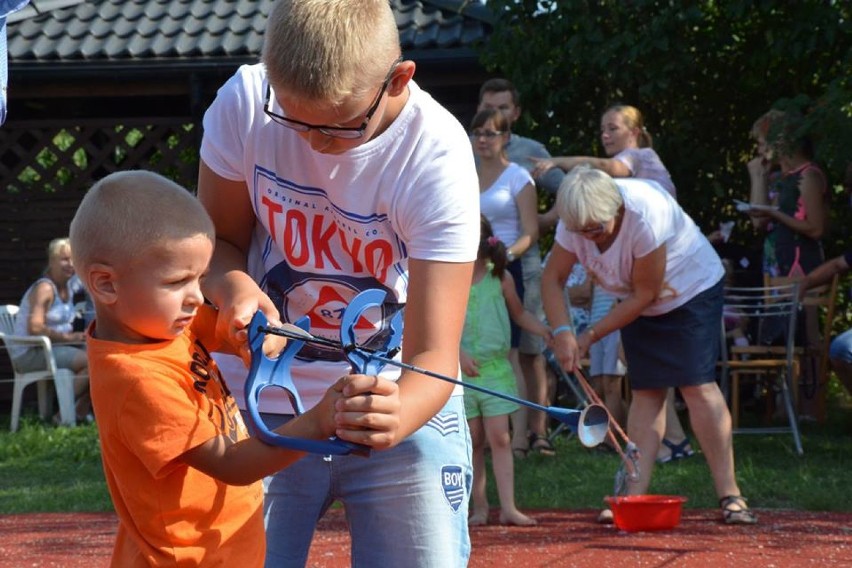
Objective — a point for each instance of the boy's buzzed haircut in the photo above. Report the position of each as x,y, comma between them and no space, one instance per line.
328,51
499,85
127,212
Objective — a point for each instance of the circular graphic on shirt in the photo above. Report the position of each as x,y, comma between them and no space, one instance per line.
323,299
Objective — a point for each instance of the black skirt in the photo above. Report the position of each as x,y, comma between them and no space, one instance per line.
678,348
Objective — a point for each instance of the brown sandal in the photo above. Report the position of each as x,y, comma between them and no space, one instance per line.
735,511
541,445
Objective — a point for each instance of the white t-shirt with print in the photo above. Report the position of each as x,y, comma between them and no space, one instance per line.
498,203
651,218
330,226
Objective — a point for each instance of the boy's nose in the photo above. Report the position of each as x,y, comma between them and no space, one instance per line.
195,297
319,141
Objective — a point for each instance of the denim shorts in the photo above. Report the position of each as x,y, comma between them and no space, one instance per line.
530,343
406,506
63,355
603,356
841,347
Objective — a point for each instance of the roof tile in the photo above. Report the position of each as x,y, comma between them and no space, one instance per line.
126,30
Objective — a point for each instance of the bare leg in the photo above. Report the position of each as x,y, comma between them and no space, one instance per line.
611,387
520,441
80,366
674,432
479,496
645,425
711,424
811,390
497,432
843,369
533,367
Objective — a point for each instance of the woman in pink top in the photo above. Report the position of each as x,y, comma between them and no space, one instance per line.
628,146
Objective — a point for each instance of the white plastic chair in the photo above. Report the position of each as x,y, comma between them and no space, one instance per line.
63,379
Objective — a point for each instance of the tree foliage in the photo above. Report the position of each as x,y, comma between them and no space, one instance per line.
701,73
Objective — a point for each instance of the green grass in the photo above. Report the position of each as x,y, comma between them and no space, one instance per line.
769,473
49,469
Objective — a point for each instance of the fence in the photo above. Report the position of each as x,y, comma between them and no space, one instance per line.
47,166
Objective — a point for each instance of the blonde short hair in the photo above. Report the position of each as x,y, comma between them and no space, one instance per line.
586,196
127,213
56,246
329,50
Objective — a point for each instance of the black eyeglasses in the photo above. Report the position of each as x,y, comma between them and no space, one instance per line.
348,132
488,134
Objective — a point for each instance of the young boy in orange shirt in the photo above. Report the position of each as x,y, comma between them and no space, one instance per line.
182,472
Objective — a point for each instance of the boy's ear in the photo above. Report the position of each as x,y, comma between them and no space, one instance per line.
100,281
401,76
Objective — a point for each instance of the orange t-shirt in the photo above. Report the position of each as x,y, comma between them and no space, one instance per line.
153,403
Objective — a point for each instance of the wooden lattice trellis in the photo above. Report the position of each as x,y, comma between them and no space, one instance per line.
47,166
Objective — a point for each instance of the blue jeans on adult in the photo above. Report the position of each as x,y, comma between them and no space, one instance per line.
406,506
841,347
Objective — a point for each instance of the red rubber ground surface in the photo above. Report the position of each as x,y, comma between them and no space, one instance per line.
783,539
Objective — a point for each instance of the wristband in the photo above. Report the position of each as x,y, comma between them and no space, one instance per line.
562,329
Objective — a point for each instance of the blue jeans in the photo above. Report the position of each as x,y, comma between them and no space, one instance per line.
841,347
406,506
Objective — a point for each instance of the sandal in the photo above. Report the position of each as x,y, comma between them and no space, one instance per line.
541,445
520,453
677,451
735,511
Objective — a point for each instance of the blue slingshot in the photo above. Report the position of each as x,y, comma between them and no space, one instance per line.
266,372
365,361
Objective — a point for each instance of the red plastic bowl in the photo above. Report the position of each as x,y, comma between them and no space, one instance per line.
634,513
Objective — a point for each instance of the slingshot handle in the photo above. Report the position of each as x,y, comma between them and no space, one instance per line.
265,373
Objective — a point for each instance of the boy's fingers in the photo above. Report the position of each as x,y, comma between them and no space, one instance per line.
360,384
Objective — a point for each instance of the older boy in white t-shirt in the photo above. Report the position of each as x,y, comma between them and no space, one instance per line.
328,171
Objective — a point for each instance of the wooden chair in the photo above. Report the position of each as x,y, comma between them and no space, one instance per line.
63,379
819,302
771,313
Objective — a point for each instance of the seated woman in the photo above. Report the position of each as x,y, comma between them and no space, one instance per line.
641,246
47,308
840,352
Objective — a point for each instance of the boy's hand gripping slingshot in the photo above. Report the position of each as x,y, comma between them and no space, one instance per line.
266,372
591,424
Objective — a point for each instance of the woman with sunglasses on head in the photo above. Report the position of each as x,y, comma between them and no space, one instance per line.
637,242
507,198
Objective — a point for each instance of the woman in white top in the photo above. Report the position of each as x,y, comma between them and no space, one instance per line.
47,308
507,198
630,153
640,245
